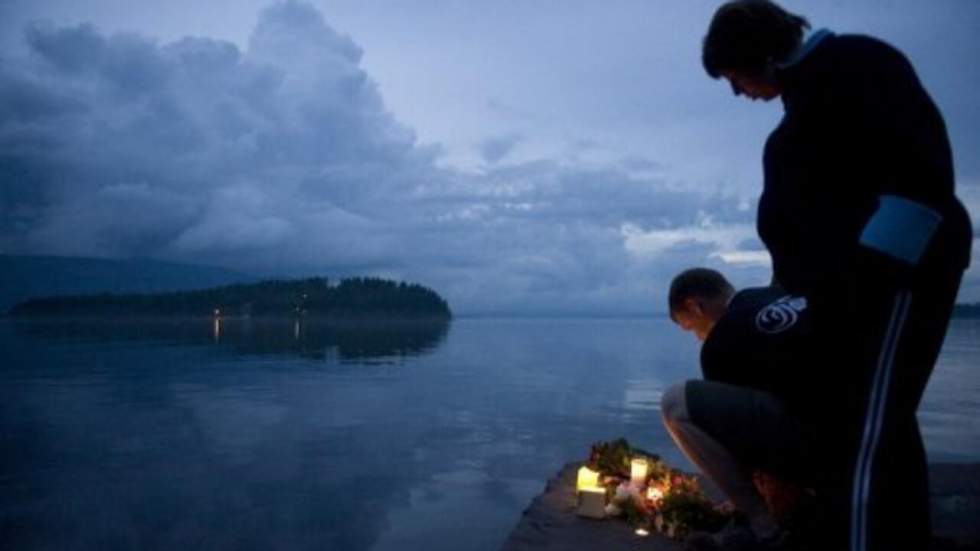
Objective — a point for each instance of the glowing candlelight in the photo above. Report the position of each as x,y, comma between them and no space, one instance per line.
654,493
587,478
642,532
638,471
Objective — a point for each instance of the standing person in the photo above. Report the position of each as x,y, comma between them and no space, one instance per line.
859,215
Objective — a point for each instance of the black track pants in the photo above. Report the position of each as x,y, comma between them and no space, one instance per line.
875,476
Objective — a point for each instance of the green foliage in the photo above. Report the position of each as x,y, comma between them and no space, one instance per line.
690,510
351,298
636,516
613,458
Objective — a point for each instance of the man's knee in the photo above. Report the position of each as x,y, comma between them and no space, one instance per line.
673,405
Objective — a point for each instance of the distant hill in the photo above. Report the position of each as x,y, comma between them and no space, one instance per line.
23,277
966,310
315,297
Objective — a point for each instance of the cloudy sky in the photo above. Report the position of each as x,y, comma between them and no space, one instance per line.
517,156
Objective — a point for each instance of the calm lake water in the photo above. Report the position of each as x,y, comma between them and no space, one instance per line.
285,436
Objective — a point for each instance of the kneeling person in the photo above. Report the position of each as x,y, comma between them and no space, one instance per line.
736,420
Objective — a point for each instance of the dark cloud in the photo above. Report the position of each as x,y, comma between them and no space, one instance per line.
283,158
116,145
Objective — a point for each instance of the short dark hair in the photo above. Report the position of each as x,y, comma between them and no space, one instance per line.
696,283
746,35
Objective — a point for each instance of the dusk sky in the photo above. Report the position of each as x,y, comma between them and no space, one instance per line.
516,156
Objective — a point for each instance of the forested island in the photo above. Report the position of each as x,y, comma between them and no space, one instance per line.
316,297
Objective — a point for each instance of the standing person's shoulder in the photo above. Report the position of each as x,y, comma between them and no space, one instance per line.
846,61
861,55
861,43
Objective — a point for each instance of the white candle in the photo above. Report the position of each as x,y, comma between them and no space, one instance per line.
592,502
638,471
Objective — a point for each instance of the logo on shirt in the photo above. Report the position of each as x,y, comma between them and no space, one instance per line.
780,315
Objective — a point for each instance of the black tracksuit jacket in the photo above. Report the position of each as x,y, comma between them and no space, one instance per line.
858,125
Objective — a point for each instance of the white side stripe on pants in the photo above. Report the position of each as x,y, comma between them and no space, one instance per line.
873,423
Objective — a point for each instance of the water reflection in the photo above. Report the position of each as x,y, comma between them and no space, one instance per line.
643,394
357,340
949,408
152,436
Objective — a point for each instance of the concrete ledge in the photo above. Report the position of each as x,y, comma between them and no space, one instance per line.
550,523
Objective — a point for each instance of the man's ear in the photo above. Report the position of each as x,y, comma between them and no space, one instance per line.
693,306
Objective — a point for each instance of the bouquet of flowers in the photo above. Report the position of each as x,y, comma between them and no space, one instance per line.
659,498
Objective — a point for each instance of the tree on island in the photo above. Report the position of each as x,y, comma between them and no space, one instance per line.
351,298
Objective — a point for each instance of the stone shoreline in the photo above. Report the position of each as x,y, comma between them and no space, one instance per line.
550,522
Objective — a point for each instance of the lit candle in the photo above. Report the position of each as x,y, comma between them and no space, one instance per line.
654,493
587,478
642,532
638,471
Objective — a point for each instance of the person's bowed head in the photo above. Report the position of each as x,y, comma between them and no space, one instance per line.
697,299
